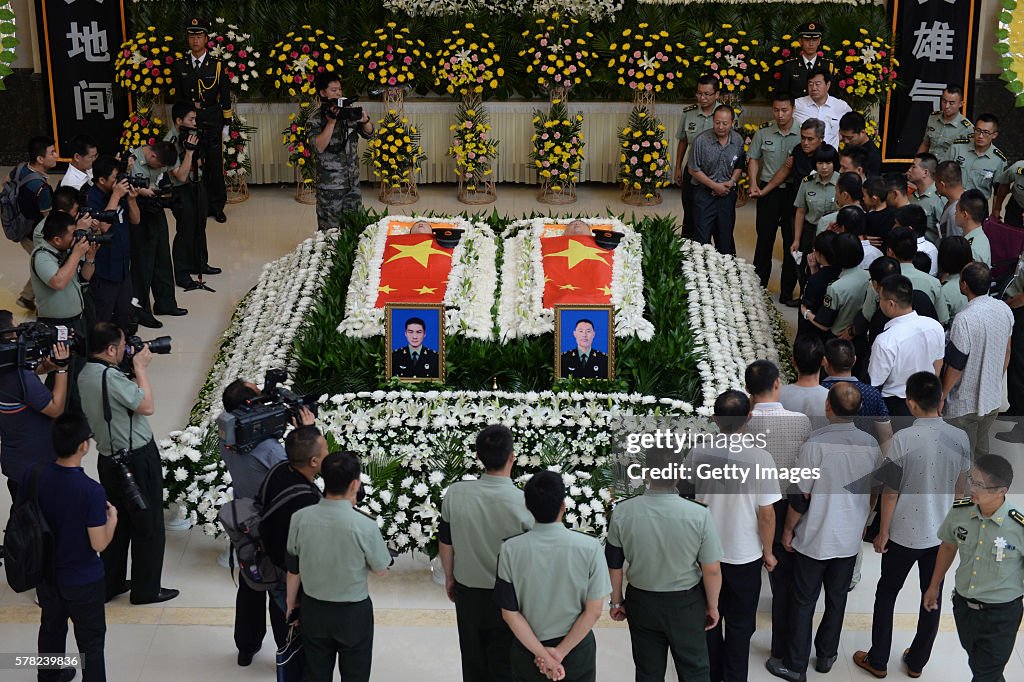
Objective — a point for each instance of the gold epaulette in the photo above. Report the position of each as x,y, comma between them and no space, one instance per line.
689,108
965,502
765,124
999,152
1017,516
966,139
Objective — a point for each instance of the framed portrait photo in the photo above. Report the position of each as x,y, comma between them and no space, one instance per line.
414,337
584,341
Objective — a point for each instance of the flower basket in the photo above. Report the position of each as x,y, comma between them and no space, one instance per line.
474,150
399,195
394,155
557,152
305,190
237,188
237,159
551,193
644,168
636,197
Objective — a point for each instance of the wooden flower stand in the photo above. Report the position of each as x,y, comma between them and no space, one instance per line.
485,192
566,192
305,192
237,187
635,197
406,193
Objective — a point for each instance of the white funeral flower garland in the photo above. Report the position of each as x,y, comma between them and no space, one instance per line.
468,298
258,338
595,10
733,321
521,311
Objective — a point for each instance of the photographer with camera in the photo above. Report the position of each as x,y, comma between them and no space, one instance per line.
191,255
28,408
114,203
334,132
26,199
248,467
66,200
151,247
129,463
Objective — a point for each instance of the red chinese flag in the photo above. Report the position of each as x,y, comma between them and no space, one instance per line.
576,270
414,270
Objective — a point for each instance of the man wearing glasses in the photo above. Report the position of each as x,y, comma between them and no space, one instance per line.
983,164
988,533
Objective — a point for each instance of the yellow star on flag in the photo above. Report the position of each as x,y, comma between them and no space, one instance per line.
569,287
607,291
421,252
386,289
426,290
577,252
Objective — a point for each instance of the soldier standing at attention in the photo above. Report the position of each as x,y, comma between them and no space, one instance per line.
335,139
983,164
1011,183
696,119
988,533
200,79
550,587
947,124
792,75
476,516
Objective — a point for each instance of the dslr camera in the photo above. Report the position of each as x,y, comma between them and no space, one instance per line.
94,237
34,341
96,214
131,487
161,345
203,131
341,109
268,415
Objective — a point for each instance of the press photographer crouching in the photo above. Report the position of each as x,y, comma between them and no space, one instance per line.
111,286
151,247
129,464
249,461
334,131
27,407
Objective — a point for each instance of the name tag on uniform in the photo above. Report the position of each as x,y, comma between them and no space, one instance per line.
811,194
768,143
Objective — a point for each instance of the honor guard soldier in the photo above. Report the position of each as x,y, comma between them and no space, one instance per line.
1011,183
987,531
551,586
983,164
792,75
947,124
200,78
476,516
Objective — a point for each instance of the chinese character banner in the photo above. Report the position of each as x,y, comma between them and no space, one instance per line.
936,41
79,42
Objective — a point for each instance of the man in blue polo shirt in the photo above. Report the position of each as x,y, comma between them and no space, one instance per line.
111,283
82,522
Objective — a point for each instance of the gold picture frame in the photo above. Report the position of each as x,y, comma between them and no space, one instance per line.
600,362
399,363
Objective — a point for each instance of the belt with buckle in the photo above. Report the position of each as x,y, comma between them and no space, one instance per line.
976,605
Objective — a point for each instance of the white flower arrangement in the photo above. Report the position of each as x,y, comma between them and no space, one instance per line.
521,311
592,9
258,338
468,297
234,47
733,325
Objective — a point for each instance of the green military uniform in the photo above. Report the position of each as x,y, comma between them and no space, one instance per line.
772,148
423,365
548,575
337,189
150,245
209,89
989,583
792,74
190,208
933,206
981,249
665,539
941,135
593,365
921,281
844,298
816,197
1014,178
476,516
980,171
693,123
53,303
955,299
333,547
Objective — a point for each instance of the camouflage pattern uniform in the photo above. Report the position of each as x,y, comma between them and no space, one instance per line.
337,188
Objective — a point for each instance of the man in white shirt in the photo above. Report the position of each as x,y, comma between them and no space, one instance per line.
914,217
910,343
977,356
927,467
784,432
744,517
822,106
83,152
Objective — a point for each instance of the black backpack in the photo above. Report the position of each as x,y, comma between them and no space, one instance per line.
28,540
17,225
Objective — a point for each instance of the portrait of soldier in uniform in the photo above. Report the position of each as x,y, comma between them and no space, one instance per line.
415,338
586,353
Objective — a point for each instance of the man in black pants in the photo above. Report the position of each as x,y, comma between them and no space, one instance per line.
82,522
1014,297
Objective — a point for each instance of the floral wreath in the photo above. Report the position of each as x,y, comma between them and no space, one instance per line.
300,57
558,52
392,57
647,61
145,62
467,62
234,49
728,56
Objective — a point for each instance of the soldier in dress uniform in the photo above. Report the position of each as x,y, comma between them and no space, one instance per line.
1011,183
947,124
987,531
792,75
983,164
335,138
584,361
551,587
415,360
200,78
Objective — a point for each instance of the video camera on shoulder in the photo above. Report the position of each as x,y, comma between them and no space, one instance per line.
341,109
29,344
268,415
161,345
203,130
110,217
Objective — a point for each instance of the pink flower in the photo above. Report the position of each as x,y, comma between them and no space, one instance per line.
392,81
631,72
633,160
149,63
230,47
293,54
305,49
372,66
241,67
636,54
543,42
727,48
557,135
220,39
639,172
243,53
234,134
407,59
390,57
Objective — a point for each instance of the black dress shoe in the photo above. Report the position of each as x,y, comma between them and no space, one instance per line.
245,658
220,217
146,319
777,668
210,270
173,312
792,303
824,663
165,594
67,674
192,285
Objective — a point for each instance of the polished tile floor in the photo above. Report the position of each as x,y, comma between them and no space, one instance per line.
191,638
